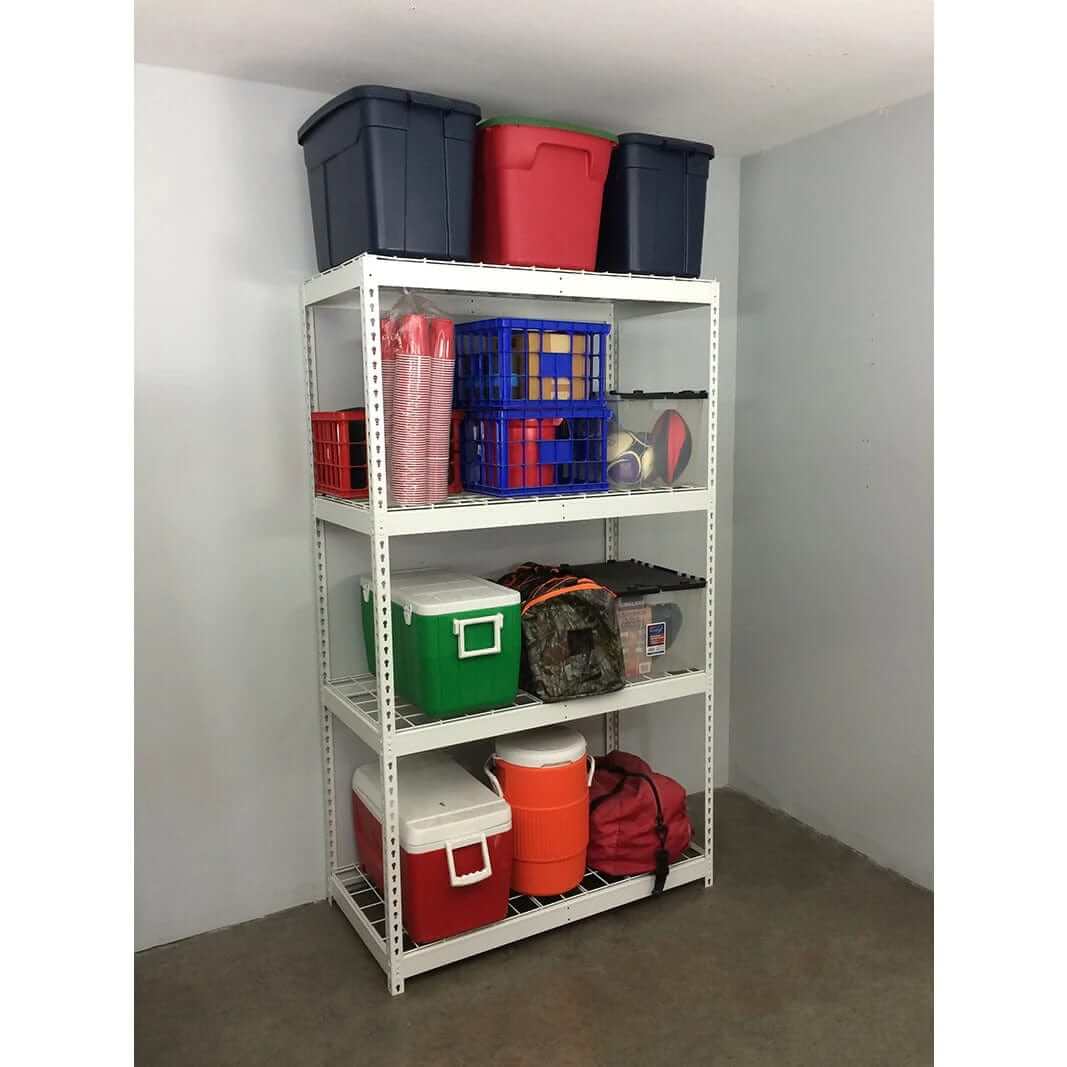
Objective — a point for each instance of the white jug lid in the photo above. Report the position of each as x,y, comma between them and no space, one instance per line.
550,746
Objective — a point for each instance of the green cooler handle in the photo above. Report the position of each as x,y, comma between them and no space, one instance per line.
459,628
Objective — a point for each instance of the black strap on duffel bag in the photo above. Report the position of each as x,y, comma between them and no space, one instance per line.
662,858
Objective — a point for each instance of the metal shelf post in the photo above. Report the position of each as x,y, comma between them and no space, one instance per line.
322,619
383,627
611,525
709,590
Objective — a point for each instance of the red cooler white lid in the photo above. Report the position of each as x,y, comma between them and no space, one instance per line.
551,746
440,802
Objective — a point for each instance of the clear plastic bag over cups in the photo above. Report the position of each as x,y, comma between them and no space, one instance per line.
418,367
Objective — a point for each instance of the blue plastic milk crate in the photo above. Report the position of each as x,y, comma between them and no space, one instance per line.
512,363
536,449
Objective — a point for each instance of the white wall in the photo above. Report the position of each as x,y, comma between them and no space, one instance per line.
228,775
228,778
832,682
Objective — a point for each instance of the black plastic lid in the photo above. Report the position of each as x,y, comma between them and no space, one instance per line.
678,394
656,141
384,92
631,577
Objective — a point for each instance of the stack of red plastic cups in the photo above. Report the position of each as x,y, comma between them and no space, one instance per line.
442,374
409,425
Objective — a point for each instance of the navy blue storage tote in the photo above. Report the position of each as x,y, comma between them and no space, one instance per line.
390,171
523,362
652,221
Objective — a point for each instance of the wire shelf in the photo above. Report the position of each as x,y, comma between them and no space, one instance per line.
467,500
360,691
366,898
477,511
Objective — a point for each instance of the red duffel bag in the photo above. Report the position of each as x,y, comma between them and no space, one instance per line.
638,823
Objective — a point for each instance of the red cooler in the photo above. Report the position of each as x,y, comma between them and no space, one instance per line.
538,188
455,845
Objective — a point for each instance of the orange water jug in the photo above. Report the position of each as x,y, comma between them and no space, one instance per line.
545,776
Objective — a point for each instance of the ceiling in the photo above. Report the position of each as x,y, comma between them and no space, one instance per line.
742,74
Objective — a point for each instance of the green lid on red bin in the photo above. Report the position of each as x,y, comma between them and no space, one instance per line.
548,124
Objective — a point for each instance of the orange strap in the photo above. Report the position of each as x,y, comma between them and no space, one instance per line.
585,585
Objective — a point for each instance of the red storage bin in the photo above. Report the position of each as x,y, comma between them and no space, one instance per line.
455,845
538,189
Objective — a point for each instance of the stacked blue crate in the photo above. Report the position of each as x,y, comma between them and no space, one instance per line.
534,394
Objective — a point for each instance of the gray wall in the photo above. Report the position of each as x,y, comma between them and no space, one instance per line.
832,680
228,774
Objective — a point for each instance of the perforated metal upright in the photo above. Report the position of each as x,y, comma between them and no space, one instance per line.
368,295
612,736
366,704
709,590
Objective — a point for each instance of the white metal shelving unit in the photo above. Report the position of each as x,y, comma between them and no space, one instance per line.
366,705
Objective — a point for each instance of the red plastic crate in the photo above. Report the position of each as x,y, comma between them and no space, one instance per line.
340,443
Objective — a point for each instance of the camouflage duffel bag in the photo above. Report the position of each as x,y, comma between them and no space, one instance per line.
570,637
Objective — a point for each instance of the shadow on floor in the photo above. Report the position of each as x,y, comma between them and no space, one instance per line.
804,953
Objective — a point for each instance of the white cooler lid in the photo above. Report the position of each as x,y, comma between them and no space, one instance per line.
550,746
431,591
439,802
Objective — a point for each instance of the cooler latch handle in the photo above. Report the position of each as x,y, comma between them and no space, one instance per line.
459,628
474,876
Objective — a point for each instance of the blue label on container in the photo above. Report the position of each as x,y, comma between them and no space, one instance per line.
655,638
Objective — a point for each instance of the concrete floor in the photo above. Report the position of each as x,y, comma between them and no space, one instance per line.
802,953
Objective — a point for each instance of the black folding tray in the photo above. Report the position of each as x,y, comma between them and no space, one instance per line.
631,577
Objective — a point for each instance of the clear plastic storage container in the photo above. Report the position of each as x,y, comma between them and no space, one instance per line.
658,439
660,613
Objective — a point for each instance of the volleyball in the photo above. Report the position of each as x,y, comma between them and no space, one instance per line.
629,459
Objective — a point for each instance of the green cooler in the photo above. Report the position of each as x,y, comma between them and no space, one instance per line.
456,640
